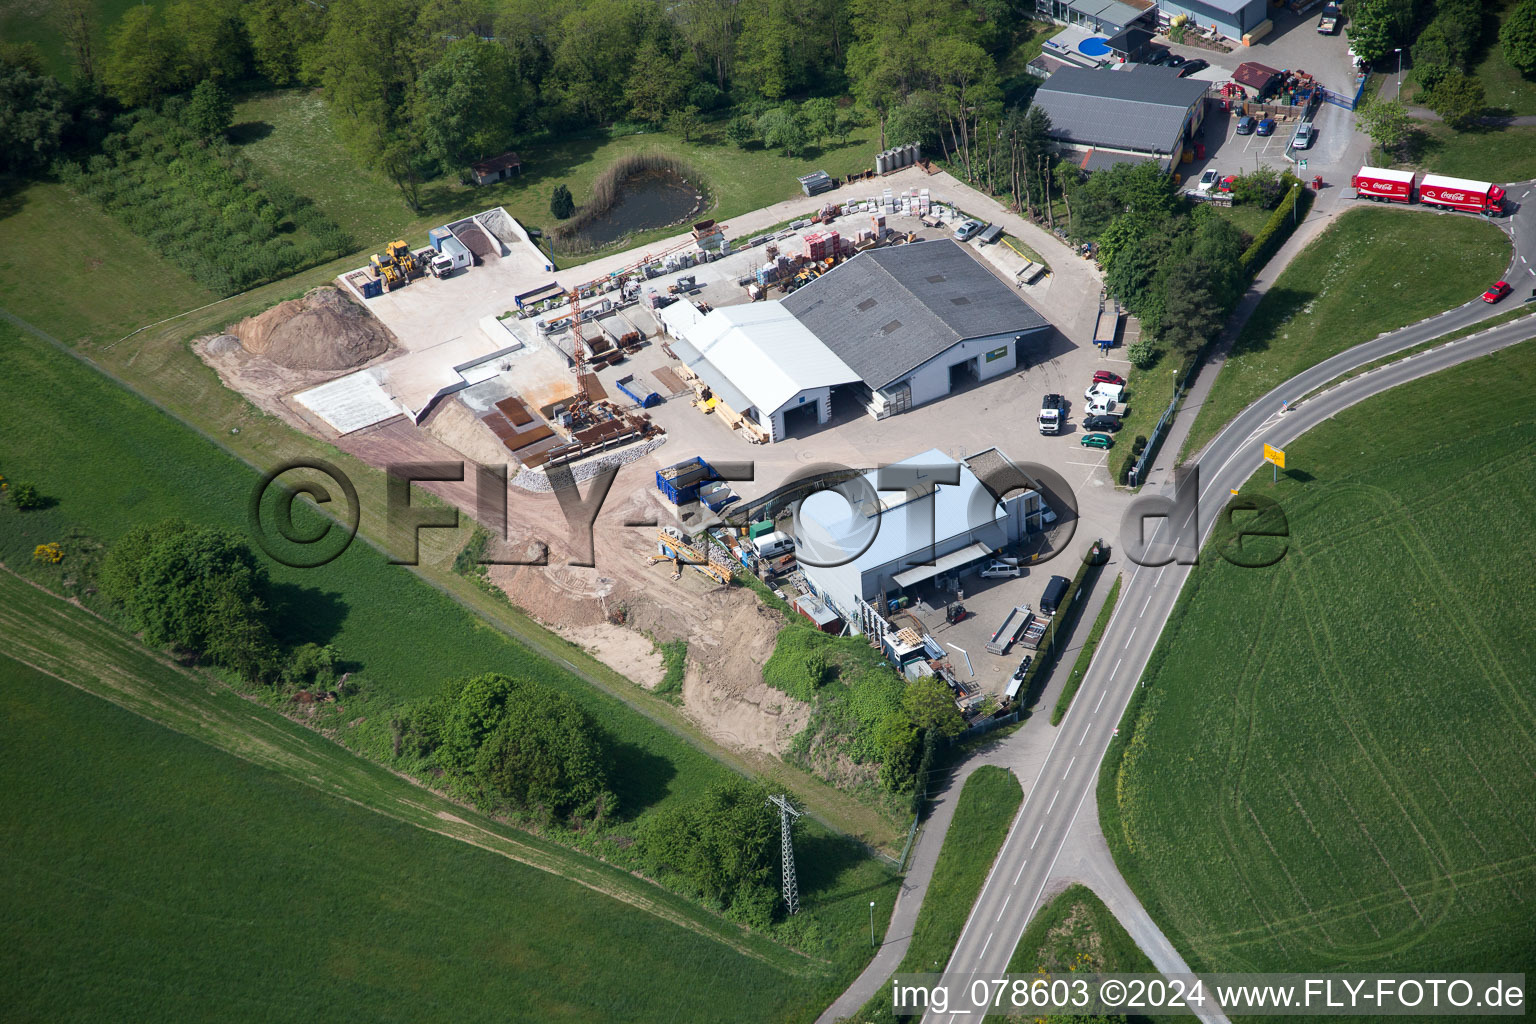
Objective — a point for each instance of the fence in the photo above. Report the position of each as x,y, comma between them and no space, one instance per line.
1155,441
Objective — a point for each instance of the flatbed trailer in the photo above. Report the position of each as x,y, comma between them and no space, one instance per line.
1108,324
1008,633
1034,632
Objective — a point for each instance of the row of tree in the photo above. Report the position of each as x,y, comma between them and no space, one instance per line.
429,85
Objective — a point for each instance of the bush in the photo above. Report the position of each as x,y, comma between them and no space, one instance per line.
723,845
560,202
26,497
508,741
198,590
1277,229
798,665
1142,354
705,96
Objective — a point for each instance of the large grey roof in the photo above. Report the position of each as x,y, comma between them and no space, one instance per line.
1112,11
1140,109
887,311
1228,6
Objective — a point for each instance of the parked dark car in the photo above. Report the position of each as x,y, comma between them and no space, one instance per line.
1108,424
1175,61
1157,57
1267,126
1191,66
1245,125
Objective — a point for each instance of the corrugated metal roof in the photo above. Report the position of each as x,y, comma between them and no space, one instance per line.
887,311
1141,109
766,353
1230,6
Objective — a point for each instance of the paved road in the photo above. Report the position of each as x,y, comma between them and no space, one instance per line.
1068,773
1061,791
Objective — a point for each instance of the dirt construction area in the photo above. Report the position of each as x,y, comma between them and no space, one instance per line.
614,608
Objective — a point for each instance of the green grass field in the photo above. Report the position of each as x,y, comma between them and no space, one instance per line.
94,278
1372,271
988,802
108,461
1483,153
1249,218
1085,656
290,135
34,21
1330,767
169,841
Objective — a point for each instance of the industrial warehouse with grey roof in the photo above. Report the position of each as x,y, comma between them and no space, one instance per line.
888,311
1139,113
889,329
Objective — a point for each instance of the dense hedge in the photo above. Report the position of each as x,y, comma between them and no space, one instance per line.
1277,229
204,206
1065,619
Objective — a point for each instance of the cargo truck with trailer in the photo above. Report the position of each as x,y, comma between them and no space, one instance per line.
1461,194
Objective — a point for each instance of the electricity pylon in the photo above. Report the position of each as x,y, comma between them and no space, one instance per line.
787,816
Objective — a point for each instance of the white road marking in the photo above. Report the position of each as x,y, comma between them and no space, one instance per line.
1005,907
1093,465
1053,802
1144,605
1101,700
984,945
1132,636
1159,581
1085,734
1114,670
1069,766
1037,835
1020,873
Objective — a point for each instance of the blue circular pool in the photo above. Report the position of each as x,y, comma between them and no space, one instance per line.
1093,47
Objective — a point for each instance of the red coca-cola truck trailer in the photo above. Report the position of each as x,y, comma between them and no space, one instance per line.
1381,184
1461,194
1435,190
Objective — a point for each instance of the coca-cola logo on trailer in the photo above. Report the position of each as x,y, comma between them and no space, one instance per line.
1453,197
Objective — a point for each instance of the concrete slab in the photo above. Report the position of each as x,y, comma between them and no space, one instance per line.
350,403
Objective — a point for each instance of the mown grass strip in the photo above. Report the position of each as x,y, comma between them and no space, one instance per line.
1085,656
988,802
1371,271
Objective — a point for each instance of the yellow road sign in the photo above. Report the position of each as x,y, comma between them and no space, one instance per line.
1275,455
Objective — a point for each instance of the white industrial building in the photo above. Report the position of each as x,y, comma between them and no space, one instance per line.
889,329
926,527
759,360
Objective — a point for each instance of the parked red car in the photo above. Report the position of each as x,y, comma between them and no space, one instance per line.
1105,377
1497,292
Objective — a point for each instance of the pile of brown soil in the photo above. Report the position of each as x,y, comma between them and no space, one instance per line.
324,330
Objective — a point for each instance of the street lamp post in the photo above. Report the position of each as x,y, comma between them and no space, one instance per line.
871,922
1399,52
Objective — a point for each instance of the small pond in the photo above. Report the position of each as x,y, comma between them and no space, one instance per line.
647,199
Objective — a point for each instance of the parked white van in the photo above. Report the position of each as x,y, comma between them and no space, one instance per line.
772,545
999,570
